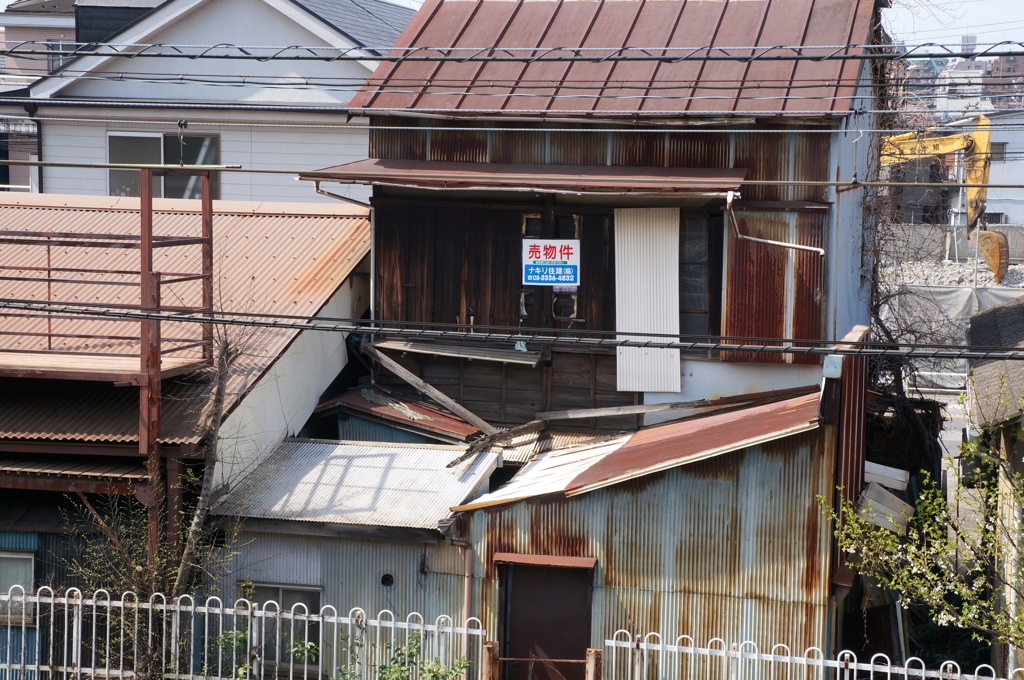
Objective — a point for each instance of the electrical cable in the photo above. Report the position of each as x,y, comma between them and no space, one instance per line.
920,350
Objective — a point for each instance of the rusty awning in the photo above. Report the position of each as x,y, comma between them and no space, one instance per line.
542,178
667,446
580,469
67,475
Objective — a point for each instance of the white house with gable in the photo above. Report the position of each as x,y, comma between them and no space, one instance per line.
272,113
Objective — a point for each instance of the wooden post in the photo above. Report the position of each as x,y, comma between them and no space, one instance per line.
207,261
491,669
429,390
594,663
149,367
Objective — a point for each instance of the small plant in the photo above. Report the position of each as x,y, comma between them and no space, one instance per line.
402,662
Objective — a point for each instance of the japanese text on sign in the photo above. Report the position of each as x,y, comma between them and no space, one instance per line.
551,262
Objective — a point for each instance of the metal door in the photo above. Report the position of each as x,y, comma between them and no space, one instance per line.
546,622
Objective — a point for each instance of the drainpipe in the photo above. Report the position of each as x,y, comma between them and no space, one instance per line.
729,196
467,593
31,109
324,192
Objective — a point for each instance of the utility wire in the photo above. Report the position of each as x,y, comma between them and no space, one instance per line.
497,53
661,130
379,328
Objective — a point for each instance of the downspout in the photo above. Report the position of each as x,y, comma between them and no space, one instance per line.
467,593
373,241
729,196
324,192
31,109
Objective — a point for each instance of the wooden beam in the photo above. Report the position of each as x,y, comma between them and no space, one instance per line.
639,409
581,413
429,390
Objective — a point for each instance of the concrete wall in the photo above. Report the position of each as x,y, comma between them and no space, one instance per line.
283,399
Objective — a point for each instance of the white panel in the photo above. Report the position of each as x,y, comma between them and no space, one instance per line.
647,296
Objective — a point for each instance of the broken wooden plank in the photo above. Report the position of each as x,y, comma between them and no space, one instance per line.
884,508
894,478
429,390
507,356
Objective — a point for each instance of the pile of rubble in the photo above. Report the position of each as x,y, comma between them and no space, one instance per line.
947,273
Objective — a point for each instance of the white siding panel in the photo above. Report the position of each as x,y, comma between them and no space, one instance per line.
647,296
294,149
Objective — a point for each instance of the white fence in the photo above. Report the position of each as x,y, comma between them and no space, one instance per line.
648,658
44,636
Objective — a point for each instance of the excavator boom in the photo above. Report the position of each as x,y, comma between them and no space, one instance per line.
977,147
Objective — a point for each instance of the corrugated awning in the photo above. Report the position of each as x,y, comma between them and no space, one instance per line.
582,469
688,441
544,178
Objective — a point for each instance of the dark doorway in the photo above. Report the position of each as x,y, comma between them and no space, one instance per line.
546,615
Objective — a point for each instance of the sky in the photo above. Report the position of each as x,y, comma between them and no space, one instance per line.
941,21
944,21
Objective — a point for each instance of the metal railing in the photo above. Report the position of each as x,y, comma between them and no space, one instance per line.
629,657
46,636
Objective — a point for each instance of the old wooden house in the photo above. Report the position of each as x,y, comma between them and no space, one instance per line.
577,172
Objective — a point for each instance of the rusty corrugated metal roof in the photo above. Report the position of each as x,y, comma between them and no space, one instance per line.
361,483
74,469
582,469
531,28
276,258
407,413
550,178
687,441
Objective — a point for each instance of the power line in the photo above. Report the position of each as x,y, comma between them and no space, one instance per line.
526,55
817,348
660,130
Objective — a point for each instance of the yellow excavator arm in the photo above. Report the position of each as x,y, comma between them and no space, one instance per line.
977,147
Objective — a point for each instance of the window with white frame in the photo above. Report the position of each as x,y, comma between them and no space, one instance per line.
148,148
59,54
16,569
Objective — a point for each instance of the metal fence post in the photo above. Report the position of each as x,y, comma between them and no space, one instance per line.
594,663
490,668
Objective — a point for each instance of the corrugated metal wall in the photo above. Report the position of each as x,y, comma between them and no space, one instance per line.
773,156
356,429
735,547
780,293
19,540
647,296
427,578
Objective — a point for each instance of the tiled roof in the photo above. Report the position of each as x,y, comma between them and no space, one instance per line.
371,23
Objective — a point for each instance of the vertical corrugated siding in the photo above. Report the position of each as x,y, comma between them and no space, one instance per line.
353,571
427,578
808,288
356,429
755,297
647,296
734,547
853,426
19,540
458,146
775,292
